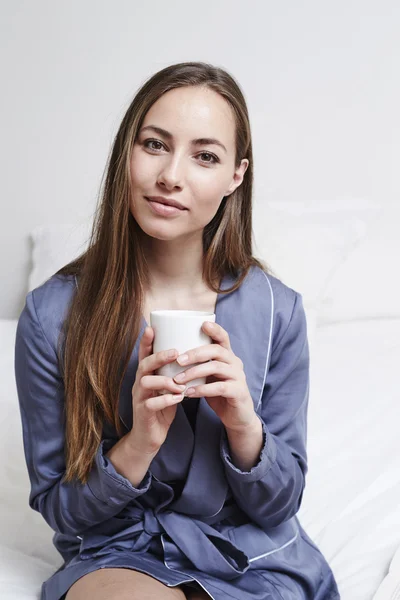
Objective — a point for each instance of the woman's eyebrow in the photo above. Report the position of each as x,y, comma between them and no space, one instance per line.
198,142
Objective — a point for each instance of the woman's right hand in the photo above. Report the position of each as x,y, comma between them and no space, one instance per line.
152,414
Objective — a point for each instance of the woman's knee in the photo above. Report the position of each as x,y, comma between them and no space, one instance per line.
121,584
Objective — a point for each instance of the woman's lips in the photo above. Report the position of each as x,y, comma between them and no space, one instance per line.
163,209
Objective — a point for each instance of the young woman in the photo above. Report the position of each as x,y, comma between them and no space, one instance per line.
155,495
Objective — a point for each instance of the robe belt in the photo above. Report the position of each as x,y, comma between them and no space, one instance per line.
208,549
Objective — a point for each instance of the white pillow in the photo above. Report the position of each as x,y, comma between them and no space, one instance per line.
54,246
367,283
305,243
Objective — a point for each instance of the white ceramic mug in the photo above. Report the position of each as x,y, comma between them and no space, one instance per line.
180,329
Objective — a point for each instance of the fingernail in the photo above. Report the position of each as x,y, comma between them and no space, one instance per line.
181,387
182,359
171,352
190,391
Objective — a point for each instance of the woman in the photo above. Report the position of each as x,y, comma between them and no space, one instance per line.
158,495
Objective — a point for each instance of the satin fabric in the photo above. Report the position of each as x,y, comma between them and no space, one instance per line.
235,533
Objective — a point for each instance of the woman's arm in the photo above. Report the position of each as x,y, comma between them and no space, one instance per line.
270,492
245,447
128,462
68,508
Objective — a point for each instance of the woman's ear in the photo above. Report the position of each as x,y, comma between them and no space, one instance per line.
238,176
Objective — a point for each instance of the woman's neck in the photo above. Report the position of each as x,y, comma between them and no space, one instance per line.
175,265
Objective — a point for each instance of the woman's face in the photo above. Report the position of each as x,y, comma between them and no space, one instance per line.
173,165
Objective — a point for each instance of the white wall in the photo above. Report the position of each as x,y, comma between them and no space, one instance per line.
322,82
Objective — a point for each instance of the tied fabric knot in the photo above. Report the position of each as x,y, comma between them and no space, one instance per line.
206,548
151,524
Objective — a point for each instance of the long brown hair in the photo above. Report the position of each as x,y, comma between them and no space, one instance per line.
104,316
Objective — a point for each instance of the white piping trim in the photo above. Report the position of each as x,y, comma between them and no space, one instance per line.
276,549
186,580
270,337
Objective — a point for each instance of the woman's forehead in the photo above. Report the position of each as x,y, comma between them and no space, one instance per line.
191,114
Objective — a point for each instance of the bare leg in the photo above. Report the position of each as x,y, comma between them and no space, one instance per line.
121,584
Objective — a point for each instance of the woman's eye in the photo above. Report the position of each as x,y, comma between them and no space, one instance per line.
151,142
214,159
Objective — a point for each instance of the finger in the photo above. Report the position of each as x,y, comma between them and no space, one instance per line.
217,333
160,382
207,352
155,361
225,389
157,403
146,343
213,367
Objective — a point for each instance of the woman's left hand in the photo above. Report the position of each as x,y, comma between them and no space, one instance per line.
225,389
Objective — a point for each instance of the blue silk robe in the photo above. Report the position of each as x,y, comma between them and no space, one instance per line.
235,533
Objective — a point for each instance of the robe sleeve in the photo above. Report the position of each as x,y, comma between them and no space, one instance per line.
69,508
271,492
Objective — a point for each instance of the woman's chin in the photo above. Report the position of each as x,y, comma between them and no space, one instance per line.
161,232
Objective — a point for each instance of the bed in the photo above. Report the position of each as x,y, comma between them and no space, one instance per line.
341,260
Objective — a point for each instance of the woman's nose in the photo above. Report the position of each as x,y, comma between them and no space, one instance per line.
172,174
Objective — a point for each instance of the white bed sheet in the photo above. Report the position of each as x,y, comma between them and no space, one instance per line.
352,497
351,502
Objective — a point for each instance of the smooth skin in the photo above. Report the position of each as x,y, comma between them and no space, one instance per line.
127,584
198,176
